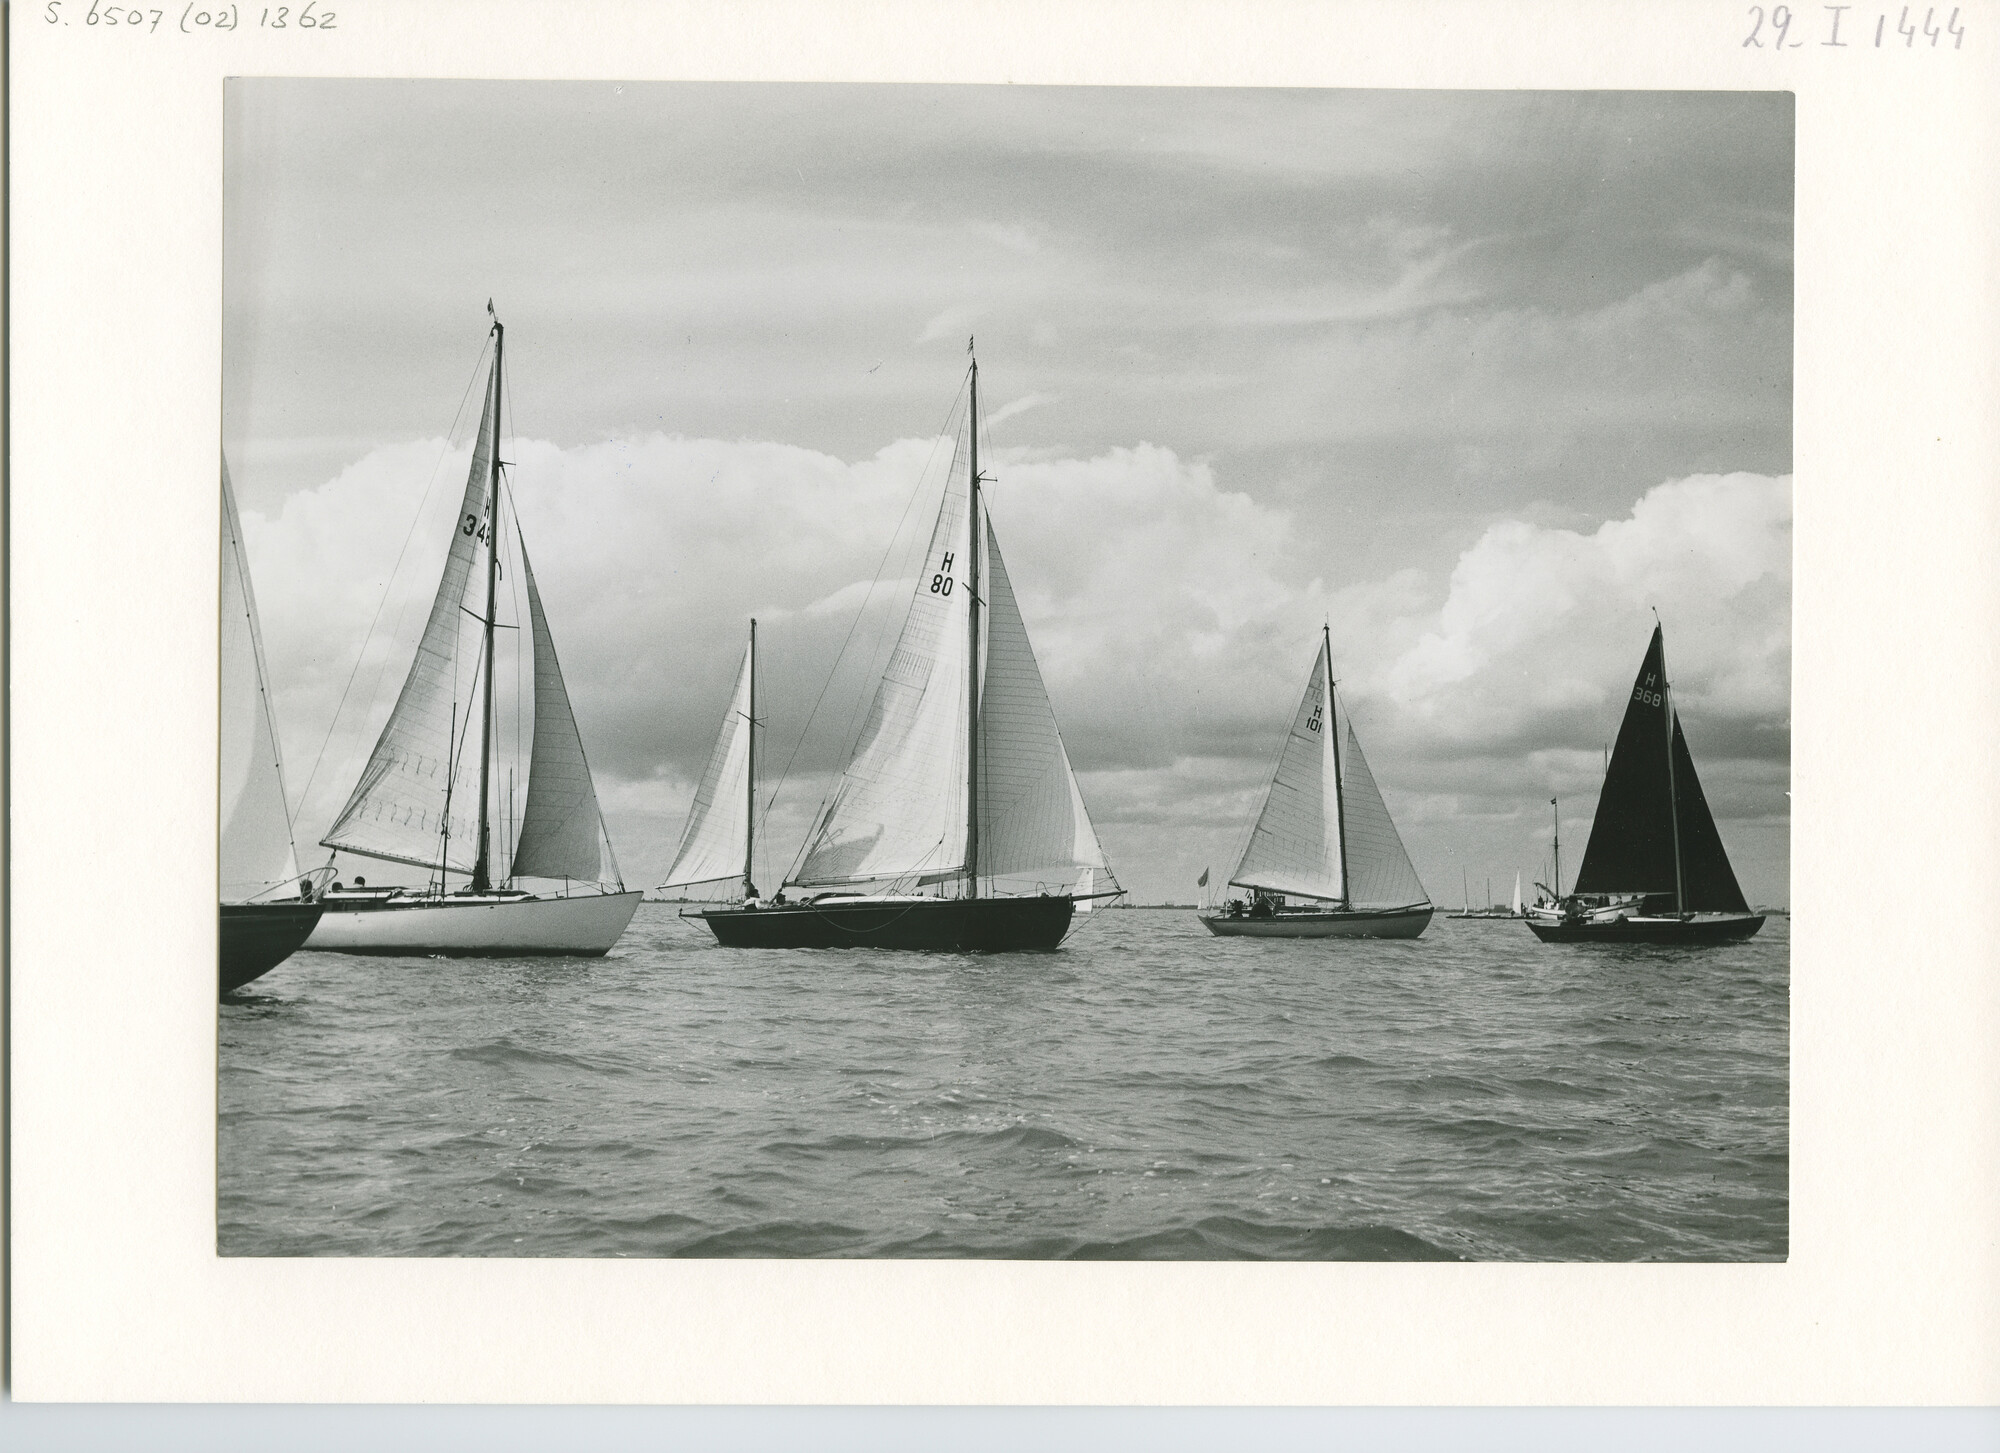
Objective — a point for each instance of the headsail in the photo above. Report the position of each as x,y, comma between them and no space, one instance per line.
899,809
1644,802
257,853
417,772
716,840
562,832
1294,846
1379,871
1032,822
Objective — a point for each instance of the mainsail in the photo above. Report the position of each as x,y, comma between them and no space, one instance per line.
1316,839
1651,796
900,812
1294,845
416,800
715,844
562,832
257,853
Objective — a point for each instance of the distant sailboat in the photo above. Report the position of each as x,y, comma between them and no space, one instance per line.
718,844
959,783
425,799
259,928
1654,870
1514,908
1324,835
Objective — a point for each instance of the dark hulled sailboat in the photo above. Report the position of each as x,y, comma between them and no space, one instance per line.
267,908
1654,870
958,823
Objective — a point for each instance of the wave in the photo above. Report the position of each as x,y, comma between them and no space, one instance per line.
508,1055
1013,1137
1230,1238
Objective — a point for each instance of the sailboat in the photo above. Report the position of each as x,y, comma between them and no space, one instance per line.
267,908
957,823
1654,870
1324,835
718,844
1514,908
427,796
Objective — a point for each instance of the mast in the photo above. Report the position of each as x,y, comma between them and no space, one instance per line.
1557,814
750,774
481,875
1673,797
1339,799
972,649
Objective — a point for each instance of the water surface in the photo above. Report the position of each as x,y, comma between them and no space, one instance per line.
1146,1091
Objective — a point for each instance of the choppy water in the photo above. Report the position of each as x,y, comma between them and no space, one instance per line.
1148,1091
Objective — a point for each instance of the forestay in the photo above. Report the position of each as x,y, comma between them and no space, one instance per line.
398,808
716,839
257,853
562,832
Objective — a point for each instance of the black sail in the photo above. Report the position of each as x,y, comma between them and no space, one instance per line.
1631,848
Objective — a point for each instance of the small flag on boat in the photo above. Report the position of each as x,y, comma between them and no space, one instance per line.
1202,881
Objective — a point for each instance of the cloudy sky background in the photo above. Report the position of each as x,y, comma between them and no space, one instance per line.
1479,378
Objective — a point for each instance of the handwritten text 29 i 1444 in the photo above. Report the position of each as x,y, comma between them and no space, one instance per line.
1846,27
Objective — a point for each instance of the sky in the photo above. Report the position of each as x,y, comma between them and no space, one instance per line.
1477,380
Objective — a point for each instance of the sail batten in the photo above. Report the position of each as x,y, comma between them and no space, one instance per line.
562,830
258,854
715,840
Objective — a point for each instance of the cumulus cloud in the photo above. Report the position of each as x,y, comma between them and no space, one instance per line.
1174,619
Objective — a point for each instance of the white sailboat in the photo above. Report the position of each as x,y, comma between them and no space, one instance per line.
427,796
719,841
958,823
1514,909
1323,836
267,908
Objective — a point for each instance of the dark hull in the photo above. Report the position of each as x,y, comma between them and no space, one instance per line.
946,925
1731,928
257,937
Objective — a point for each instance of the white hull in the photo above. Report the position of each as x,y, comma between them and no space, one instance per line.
1402,923
588,924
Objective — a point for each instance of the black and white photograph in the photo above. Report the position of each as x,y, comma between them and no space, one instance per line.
1348,820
